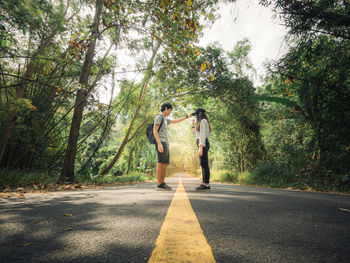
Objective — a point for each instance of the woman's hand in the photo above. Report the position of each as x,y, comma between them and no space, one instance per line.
160,148
193,120
200,151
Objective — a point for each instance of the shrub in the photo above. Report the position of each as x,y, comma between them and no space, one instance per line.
26,177
271,175
225,176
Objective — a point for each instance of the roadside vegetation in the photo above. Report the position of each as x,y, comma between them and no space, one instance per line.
58,59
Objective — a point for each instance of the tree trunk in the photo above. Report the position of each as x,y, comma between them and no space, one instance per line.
146,80
130,156
67,174
30,70
12,114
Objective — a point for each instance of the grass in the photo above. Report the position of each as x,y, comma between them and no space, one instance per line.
231,177
22,178
131,177
14,178
268,179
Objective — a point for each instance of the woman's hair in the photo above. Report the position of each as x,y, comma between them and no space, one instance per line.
201,114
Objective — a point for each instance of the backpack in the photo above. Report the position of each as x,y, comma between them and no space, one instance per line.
149,134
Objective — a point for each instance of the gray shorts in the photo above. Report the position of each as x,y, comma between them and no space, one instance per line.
164,156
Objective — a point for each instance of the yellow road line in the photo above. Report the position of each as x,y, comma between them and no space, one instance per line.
181,238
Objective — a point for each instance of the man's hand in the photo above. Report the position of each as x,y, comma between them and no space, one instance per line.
160,148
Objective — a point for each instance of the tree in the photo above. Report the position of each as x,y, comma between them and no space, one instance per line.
311,81
314,75
173,25
217,80
81,98
147,77
314,17
56,20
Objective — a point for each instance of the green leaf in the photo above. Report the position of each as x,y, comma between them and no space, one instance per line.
277,100
3,43
211,16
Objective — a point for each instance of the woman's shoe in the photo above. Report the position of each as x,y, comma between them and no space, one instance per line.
203,187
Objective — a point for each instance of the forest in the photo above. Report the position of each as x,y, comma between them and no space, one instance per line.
58,58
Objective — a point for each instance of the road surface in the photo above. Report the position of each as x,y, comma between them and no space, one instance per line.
137,223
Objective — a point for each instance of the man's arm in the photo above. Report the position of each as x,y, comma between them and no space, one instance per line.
179,119
156,136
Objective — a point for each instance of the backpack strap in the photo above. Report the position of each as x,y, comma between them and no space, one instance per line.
160,126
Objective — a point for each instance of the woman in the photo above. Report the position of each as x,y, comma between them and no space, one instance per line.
202,131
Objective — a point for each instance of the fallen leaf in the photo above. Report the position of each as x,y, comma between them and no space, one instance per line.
134,203
26,244
68,229
4,195
344,209
6,190
67,214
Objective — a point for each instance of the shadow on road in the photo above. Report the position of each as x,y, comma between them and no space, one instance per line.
106,226
248,224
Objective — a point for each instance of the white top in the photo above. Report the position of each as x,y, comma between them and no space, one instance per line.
203,132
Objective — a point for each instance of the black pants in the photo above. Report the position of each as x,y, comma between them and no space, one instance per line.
204,162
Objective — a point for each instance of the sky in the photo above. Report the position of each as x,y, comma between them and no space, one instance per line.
244,18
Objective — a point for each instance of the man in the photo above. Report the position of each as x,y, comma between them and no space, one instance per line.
162,145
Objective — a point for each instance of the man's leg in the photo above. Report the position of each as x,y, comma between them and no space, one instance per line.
164,166
159,172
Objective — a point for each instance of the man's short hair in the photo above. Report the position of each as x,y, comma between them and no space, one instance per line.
166,105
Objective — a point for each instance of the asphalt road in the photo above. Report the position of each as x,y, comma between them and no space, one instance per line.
241,224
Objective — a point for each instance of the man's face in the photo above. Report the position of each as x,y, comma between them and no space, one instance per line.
167,112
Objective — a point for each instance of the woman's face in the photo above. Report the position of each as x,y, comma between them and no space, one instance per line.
198,116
